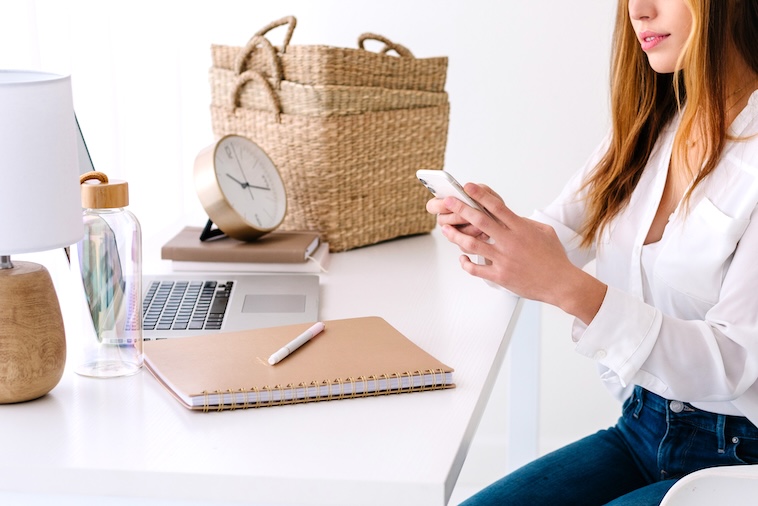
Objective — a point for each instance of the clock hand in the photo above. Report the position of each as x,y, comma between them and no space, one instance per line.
246,184
239,164
243,185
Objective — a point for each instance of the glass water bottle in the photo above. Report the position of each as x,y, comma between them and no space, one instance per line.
109,260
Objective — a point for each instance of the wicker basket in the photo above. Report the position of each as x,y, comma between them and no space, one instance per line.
351,177
347,154
311,100
326,65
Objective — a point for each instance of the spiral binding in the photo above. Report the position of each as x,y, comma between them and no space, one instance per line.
336,389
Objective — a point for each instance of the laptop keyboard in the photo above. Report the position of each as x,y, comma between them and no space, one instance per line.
185,305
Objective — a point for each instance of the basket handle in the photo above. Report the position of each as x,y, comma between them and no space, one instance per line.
388,45
287,20
255,42
252,75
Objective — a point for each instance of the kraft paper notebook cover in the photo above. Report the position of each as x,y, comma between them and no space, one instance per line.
278,246
356,357
317,262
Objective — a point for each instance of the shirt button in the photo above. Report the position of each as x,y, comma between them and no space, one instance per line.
600,355
676,406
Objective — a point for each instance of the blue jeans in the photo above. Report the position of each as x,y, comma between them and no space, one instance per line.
634,463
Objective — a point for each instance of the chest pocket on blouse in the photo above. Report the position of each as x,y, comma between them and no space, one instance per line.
696,255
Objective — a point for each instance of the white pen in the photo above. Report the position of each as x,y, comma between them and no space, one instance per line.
296,343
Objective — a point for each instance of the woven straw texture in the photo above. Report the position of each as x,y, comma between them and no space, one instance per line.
347,154
326,65
314,100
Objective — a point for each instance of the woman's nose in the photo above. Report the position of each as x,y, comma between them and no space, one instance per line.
641,9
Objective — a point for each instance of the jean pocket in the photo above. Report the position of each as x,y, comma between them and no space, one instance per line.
745,450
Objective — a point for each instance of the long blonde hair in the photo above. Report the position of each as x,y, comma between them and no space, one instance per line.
643,102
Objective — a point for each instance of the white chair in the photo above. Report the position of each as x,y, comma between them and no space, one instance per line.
729,485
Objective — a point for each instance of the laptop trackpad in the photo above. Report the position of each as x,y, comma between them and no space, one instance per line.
273,303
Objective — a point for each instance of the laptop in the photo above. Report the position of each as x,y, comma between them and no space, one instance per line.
180,305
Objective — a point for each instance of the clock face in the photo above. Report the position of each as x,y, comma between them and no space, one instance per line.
250,182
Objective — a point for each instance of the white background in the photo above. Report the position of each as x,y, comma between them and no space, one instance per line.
527,82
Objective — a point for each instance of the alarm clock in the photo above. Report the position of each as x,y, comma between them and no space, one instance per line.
240,188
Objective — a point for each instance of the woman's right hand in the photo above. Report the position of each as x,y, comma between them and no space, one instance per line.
445,217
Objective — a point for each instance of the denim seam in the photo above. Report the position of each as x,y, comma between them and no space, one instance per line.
662,474
720,423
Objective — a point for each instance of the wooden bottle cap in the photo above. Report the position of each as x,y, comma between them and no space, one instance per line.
100,193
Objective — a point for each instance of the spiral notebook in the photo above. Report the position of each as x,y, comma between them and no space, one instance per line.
357,357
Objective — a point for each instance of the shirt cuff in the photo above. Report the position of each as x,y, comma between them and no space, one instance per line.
621,336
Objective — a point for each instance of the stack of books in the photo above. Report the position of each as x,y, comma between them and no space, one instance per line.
277,251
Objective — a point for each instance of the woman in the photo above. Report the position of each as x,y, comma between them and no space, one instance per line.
666,207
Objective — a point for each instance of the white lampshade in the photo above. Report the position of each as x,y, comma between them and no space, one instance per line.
40,203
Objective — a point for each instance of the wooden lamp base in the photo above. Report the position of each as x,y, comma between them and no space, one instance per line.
32,337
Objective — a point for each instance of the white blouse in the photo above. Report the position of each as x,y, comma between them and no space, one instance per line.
694,336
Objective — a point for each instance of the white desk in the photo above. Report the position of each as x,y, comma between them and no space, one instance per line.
129,438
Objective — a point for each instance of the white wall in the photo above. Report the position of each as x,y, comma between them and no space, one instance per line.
528,89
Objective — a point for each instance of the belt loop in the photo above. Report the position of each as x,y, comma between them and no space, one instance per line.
720,432
638,400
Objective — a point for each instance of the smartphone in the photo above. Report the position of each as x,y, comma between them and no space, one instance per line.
442,185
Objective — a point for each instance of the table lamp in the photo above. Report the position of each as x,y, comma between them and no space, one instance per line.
40,210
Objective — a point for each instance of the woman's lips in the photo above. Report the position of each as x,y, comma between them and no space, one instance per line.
648,40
